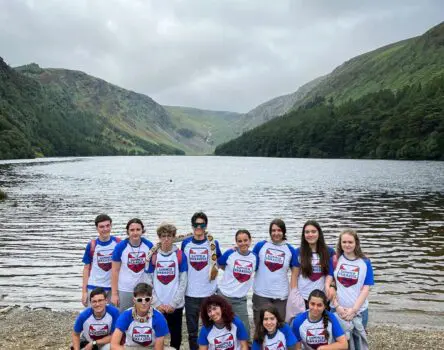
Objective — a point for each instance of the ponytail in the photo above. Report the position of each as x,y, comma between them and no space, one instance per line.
325,320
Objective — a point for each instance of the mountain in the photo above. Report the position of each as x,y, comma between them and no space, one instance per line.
39,119
387,103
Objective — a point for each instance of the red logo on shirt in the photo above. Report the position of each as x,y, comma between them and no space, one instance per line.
142,335
104,259
276,346
317,270
316,337
348,275
224,342
242,270
274,259
136,261
198,258
98,331
165,271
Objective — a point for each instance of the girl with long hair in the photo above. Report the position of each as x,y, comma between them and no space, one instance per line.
317,328
313,260
221,329
239,265
272,332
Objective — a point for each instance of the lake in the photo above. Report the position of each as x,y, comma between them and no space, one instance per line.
397,207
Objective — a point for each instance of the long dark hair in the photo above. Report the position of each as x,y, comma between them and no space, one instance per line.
227,311
306,253
320,294
260,332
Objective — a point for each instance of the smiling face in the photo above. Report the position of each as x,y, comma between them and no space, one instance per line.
316,307
276,234
243,242
135,231
215,313
311,235
348,245
104,230
98,304
142,303
270,322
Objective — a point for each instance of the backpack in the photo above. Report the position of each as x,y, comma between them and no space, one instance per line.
92,247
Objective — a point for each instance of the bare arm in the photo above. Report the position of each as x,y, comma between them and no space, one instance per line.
244,345
203,347
330,291
294,277
115,282
159,343
340,344
298,346
85,277
115,340
76,340
104,340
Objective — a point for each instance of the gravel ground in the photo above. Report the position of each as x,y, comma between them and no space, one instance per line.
23,328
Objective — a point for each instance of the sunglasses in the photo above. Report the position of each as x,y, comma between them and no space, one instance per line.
146,299
200,225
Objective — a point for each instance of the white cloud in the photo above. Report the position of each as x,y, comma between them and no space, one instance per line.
212,54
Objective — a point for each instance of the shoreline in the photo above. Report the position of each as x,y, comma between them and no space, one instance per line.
42,328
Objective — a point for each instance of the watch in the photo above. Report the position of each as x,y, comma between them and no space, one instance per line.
94,342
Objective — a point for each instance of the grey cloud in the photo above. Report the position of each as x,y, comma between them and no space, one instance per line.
230,55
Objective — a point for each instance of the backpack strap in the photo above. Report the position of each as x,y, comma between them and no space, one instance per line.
179,255
92,248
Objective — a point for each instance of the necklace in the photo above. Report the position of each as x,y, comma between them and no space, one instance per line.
142,319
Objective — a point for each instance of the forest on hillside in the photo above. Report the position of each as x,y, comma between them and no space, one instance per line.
406,124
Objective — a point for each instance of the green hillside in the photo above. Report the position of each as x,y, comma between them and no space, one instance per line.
40,120
387,103
211,128
415,60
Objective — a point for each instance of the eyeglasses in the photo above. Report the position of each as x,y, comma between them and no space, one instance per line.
146,299
310,231
199,225
97,301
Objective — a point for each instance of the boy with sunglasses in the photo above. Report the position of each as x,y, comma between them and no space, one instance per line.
94,326
202,252
141,326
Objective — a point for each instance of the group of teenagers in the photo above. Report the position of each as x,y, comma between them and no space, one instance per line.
135,292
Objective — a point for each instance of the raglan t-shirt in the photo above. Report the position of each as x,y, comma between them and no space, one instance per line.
222,338
198,255
166,275
238,274
351,276
271,280
142,333
93,328
281,340
317,280
132,261
312,334
101,261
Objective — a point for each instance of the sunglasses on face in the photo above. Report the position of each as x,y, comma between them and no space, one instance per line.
199,225
146,299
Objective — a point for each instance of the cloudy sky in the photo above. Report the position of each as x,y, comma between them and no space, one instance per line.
213,54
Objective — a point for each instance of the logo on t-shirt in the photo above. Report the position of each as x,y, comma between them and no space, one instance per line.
242,270
317,270
98,331
166,271
104,259
142,335
136,261
316,337
198,258
224,342
274,259
279,345
348,275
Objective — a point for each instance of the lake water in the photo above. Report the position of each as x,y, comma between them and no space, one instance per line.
397,207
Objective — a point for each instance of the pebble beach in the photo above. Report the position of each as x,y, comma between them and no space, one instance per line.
24,328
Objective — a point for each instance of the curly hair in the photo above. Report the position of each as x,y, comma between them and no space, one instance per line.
260,332
226,309
306,253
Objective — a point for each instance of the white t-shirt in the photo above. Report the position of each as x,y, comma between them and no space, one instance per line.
222,338
198,254
238,275
271,280
132,261
94,329
281,340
